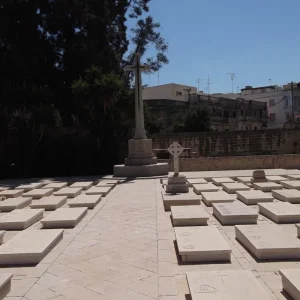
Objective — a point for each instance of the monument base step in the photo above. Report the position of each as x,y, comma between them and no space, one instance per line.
140,161
159,169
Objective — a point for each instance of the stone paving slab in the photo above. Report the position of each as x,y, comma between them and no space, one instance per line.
292,195
276,179
291,282
30,186
232,188
207,187
85,185
20,219
189,215
253,197
56,185
64,218
11,193
216,197
49,203
14,203
192,181
105,183
227,285
280,212
191,247
234,213
2,233
179,199
98,190
292,184
219,180
29,247
267,186
268,242
293,177
38,193
89,201
69,192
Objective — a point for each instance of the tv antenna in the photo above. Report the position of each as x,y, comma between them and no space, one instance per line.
198,83
232,75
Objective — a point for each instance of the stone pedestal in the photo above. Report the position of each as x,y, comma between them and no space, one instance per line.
177,184
141,161
258,176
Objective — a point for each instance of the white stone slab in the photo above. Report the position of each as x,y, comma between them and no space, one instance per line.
267,186
38,193
206,187
276,179
5,285
69,192
192,181
234,213
11,193
216,197
64,217
293,177
280,212
14,203
2,233
232,188
268,242
189,215
292,184
111,184
85,185
219,180
253,197
20,219
225,285
98,190
298,229
30,186
244,179
4,188
291,282
56,185
292,196
89,201
50,203
29,247
201,244
180,199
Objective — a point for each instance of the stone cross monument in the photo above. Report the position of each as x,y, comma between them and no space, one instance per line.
176,183
141,161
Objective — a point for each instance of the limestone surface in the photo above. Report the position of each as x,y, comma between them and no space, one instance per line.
232,188
192,181
180,199
11,193
216,197
244,179
219,180
253,197
5,284
206,187
292,184
30,186
292,195
49,203
64,217
291,282
280,212
56,185
2,233
20,219
276,179
298,229
89,201
267,186
13,203
268,242
201,244
293,177
38,193
227,285
189,215
85,185
98,190
234,213
29,246
69,192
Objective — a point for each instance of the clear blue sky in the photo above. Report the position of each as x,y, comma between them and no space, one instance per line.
257,40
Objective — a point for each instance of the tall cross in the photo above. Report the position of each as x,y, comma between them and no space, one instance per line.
140,132
175,149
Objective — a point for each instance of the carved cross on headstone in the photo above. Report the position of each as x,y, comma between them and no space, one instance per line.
175,149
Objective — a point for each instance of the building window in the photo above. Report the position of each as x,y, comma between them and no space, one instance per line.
261,113
234,114
242,112
225,113
273,117
178,93
271,102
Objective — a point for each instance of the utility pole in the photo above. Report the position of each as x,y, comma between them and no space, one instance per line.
237,89
270,82
292,95
208,85
198,82
232,75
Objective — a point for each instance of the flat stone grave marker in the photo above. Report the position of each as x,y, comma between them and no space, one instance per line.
56,185
216,197
2,233
298,229
84,185
11,193
234,213
98,190
64,217
268,242
69,192
192,181
4,188
89,201
280,212
202,244
30,186
14,203
219,180
20,219
189,215
49,203
180,199
292,184
267,186
206,187
291,282
227,285
292,196
110,184
244,179
276,179
5,284
293,177
29,247
253,197
232,188
38,193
